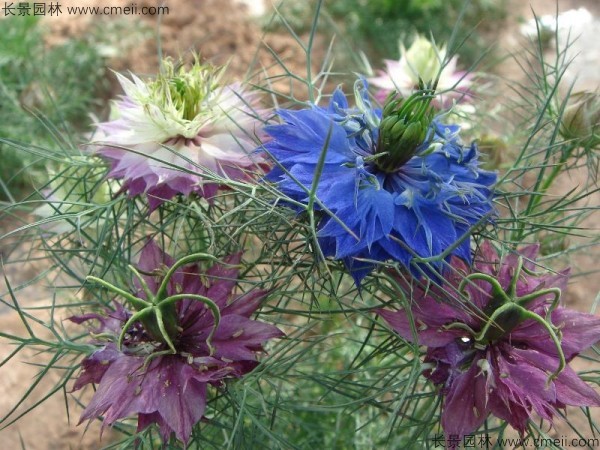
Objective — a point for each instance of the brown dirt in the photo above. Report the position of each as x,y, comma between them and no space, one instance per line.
220,30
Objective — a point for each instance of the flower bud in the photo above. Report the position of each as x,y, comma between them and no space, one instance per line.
423,60
403,128
581,119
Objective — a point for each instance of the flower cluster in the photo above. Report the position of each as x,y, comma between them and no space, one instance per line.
388,189
188,333
505,351
380,184
171,129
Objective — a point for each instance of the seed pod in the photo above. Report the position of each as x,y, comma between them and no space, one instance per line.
581,119
403,128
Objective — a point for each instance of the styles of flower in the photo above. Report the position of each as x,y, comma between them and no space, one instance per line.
506,351
187,332
422,62
390,185
172,129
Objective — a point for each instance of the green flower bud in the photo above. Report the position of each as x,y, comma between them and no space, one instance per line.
581,119
403,128
399,128
496,150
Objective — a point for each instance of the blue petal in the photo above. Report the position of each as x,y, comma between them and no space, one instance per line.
421,209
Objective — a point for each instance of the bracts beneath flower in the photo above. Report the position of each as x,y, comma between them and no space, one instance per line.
187,333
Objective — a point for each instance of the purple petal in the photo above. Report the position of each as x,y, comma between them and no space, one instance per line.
239,338
116,395
182,399
428,322
465,407
246,304
153,258
110,321
223,279
525,383
95,365
169,387
579,332
570,389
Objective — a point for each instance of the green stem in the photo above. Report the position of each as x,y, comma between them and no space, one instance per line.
523,301
550,329
542,187
512,288
460,326
492,319
151,356
145,288
163,330
497,291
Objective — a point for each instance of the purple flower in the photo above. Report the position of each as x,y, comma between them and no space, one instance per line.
164,378
505,352
167,128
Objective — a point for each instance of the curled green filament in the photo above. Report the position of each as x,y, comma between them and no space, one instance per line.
157,312
506,310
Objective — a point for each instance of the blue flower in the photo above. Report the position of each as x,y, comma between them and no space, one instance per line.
420,208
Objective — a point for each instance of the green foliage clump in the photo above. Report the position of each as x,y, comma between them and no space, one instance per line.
31,98
379,25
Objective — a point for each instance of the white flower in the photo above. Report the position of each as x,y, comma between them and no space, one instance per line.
422,61
171,128
550,23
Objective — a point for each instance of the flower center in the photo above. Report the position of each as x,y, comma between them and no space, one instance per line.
403,128
184,92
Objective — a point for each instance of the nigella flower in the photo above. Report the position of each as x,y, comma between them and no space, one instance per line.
505,352
392,184
423,61
188,332
180,123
